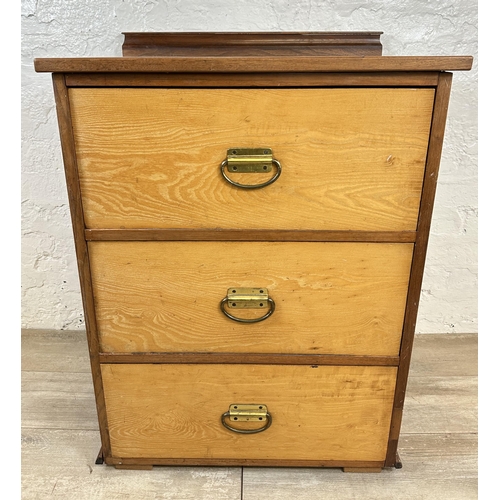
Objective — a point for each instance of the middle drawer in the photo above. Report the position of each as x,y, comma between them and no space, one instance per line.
331,298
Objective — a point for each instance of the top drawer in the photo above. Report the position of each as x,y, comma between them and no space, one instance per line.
352,159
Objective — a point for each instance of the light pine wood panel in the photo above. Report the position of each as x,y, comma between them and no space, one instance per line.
341,298
174,411
353,159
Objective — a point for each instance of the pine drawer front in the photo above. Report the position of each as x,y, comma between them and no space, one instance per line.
318,413
341,298
352,158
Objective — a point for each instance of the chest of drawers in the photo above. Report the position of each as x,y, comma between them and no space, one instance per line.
251,215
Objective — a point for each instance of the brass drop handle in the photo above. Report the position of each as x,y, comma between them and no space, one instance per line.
247,298
247,413
251,161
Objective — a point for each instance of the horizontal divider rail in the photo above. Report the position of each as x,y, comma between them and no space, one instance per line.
248,235
248,358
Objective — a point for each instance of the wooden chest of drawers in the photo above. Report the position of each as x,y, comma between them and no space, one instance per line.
230,324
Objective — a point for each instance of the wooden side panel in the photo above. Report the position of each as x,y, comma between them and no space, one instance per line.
353,159
424,223
341,298
64,119
319,413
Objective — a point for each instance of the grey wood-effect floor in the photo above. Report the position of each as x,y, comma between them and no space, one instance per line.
60,439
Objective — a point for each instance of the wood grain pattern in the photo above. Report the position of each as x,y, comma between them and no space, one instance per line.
353,159
174,411
252,64
342,298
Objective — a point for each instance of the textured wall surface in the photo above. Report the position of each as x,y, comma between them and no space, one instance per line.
73,28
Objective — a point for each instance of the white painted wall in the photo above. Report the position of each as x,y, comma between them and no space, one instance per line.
68,28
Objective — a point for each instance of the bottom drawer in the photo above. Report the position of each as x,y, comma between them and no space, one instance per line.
170,411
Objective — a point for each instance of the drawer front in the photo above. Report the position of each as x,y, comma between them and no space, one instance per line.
318,413
352,159
341,298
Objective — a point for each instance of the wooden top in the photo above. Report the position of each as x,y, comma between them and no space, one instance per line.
355,51
251,64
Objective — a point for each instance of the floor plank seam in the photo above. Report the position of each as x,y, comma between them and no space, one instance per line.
79,429
241,487
455,433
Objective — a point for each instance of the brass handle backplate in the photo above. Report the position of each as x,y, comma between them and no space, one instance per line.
247,298
247,413
250,161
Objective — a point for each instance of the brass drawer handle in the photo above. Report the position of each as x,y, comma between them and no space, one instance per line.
247,298
247,413
251,161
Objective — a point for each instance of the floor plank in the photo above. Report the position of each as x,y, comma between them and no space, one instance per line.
444,355
58,401
440,405
440,466
60,464
54,351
